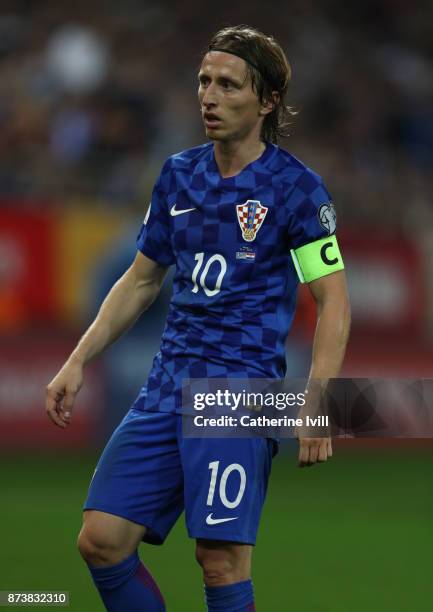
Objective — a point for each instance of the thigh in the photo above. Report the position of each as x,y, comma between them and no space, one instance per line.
225,486
139,475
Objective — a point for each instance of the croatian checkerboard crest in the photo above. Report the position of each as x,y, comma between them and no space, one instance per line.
250,216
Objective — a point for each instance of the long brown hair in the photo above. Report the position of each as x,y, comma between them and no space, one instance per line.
269,69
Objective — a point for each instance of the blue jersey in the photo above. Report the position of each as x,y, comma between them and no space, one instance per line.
234,290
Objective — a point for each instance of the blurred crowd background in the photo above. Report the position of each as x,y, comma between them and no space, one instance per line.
95,95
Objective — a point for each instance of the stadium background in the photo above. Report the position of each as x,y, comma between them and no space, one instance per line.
93,98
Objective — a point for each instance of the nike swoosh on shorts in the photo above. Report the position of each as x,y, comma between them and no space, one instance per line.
213,521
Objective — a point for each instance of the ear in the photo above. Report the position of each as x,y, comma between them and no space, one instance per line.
269,105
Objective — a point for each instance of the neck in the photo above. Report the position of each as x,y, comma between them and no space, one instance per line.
232,156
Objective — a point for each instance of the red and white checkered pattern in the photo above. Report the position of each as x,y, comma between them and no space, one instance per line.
242,210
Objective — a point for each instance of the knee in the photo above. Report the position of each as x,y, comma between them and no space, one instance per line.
217,569
98,549
221,565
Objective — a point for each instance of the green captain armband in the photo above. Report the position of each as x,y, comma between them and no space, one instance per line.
317,259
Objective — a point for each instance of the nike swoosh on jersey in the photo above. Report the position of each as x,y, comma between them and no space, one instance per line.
174,212
213,521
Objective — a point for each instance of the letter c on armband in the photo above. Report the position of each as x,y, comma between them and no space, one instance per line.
317,259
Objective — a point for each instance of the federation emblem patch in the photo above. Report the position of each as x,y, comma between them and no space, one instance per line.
328,217
250,216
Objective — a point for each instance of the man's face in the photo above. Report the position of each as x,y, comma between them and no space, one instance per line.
230,108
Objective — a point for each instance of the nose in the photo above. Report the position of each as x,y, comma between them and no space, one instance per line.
209,98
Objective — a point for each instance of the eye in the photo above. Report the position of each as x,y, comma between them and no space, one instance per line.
203,81
226,84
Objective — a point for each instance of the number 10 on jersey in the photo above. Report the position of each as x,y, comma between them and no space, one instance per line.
214,259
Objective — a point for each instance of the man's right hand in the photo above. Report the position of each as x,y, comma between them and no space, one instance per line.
133,293
61,392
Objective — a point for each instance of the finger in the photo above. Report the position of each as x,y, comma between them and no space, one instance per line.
50,403
62,412
314,451
68,404
53,414
329,447
323,451
303,453
65,416
51,407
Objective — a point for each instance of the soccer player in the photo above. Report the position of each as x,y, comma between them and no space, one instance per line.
243,221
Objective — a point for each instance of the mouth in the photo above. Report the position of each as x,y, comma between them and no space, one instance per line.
211,120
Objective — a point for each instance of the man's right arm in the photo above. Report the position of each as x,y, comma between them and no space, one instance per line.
131,295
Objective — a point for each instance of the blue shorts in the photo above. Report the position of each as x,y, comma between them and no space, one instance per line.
149,473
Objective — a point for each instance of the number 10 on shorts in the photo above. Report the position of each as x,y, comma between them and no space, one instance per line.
233,467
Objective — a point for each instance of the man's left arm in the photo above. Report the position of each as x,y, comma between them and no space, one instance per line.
330,339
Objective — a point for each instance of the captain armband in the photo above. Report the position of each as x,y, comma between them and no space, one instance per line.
317,259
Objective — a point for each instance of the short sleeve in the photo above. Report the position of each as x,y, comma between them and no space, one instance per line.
154,239
311,213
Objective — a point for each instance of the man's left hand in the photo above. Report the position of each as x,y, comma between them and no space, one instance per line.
314,450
